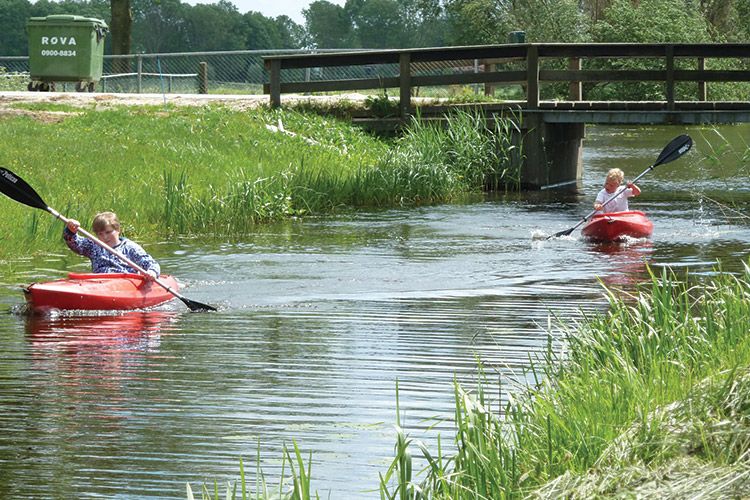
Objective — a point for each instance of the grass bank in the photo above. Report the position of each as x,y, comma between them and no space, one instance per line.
216,171
650,400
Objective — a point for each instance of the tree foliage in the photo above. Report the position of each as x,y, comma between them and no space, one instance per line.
176,26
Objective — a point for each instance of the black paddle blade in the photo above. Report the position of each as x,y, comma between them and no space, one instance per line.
678,147
196,306
16,188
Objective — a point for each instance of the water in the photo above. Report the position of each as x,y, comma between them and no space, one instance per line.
320,318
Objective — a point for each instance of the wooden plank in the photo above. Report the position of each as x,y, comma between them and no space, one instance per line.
338,85
710,75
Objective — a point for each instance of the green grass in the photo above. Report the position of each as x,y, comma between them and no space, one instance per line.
214,171
651,399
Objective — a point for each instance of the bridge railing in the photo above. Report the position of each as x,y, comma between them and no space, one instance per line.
527,65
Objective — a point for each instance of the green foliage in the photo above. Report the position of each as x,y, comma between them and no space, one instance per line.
12,81
625,22
299,489
381,105
652,21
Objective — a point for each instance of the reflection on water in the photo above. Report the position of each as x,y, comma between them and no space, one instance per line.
124,330
319,318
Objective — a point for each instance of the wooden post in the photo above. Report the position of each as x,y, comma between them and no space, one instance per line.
275,83
532,77
702,89
203,78
670,77
576,88
489,88
404,62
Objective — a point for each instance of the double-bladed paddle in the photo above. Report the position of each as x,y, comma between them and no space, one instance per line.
676,148
17,189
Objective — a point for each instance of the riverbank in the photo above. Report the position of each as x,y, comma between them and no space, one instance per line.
213,170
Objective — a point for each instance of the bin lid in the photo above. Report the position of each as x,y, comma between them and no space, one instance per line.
66,19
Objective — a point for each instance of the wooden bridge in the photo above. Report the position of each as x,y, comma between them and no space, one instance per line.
552,128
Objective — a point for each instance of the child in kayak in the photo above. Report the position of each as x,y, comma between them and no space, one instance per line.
106,226
612,186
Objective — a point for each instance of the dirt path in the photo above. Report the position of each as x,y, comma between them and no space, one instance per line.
84,99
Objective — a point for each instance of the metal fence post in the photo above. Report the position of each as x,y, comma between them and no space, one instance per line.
139,79
203,78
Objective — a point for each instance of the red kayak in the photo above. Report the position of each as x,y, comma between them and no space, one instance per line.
115,291
617,225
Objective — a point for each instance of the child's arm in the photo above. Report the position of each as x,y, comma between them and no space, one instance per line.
81,246
636,190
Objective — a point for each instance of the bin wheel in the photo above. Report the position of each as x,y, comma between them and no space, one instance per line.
80,86
33,87
47,87
91,86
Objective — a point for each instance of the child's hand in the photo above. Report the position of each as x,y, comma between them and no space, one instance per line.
150,275
73,225
597,206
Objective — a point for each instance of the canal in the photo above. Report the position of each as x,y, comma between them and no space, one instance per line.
320,318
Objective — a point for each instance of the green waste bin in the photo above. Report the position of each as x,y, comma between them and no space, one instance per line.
517,37
65,48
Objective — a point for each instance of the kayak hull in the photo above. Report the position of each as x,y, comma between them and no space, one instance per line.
115,291
618,225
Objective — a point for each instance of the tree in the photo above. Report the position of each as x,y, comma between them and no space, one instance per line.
477,21
159,26
377,23
291,34
328,25
120,26
13,17
214,27
261,32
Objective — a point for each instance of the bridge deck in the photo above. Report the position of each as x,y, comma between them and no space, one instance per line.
592,112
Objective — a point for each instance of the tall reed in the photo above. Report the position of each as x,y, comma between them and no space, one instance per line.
299,477
672,360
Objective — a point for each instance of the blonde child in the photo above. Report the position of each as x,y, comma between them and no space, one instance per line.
611,189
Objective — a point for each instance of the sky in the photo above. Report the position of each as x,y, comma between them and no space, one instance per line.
272,8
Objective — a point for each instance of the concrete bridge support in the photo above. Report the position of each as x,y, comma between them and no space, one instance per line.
553,153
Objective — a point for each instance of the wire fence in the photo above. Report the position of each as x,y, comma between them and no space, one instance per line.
226,72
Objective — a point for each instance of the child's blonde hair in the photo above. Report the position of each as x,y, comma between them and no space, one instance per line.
104,219
615,174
